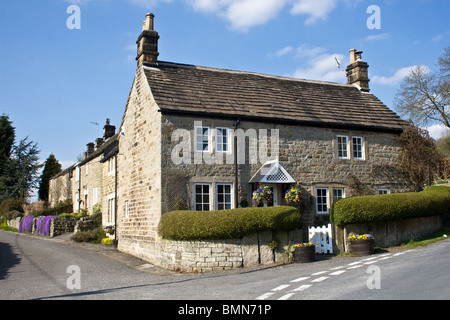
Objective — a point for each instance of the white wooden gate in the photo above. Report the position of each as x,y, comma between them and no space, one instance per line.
321,237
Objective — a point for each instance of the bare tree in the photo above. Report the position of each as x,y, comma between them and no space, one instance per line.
424,96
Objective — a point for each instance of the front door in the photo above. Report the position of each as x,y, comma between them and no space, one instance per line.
273,202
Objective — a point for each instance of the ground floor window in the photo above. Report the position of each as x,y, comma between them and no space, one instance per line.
322,200
338,193
202,196
111,208
224,196
383,191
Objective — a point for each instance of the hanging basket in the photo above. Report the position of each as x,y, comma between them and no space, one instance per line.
362,247
305,254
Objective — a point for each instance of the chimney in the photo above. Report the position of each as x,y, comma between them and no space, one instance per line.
98,143
108,130
147,50
357,71
90,149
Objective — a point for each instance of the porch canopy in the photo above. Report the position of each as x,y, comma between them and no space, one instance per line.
272,172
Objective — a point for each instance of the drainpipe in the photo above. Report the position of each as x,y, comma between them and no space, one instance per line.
236,177
115,200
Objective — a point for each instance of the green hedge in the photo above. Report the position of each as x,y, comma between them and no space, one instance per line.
227,224
380,208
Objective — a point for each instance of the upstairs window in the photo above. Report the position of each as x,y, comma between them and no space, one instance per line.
342,144
358,143
222,139
202,138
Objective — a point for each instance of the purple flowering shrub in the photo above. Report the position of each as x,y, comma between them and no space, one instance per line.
26,225
43,225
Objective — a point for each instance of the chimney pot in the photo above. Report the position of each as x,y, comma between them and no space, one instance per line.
357,71
147,51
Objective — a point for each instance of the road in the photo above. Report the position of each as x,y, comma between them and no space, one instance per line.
52,269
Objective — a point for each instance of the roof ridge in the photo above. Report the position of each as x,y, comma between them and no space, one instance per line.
189,66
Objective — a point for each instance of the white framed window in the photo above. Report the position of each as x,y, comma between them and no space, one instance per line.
384,191
322,200
111,208
223,140
111,165
127,209
342,145
94,196
224,196
202,139
77,173
338,194
202,196
87,168
358,148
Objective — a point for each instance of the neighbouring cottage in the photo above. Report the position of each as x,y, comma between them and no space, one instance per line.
201,138
92,181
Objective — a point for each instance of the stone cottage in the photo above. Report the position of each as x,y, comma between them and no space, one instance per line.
201,138
92,182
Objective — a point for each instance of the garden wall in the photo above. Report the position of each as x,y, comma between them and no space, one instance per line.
207,256
56,227
389,233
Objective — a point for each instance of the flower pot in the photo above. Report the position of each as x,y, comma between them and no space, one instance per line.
305,254
362,247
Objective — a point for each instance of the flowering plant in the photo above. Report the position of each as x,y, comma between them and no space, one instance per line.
109,229
262,194
354,237
294,193
302,245
107,241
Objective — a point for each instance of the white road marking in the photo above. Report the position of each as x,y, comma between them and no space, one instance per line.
287,296
282,287
336,273
355,267
319,273
320,279
265,296
300,279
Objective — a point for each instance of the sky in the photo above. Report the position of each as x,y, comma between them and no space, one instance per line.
67,65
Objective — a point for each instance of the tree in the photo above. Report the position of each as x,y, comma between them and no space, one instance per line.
424,96
51,167
7,136
419,158
23,171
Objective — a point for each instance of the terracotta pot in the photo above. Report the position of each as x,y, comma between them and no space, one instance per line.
305,254
362,247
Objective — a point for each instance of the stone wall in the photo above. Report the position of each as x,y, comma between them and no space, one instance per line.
139,167
309,154
60,188
60,226
207,256
390,233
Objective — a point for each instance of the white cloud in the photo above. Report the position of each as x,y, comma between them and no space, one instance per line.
249,13
396,78
438,131
244,14
284,51
148,3
323,67
315,9
377,37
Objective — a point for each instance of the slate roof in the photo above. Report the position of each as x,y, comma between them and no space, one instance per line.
202,91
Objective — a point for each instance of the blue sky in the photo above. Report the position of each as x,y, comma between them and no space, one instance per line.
56,81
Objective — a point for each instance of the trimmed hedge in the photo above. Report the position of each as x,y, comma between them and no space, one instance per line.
399,206
226,224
